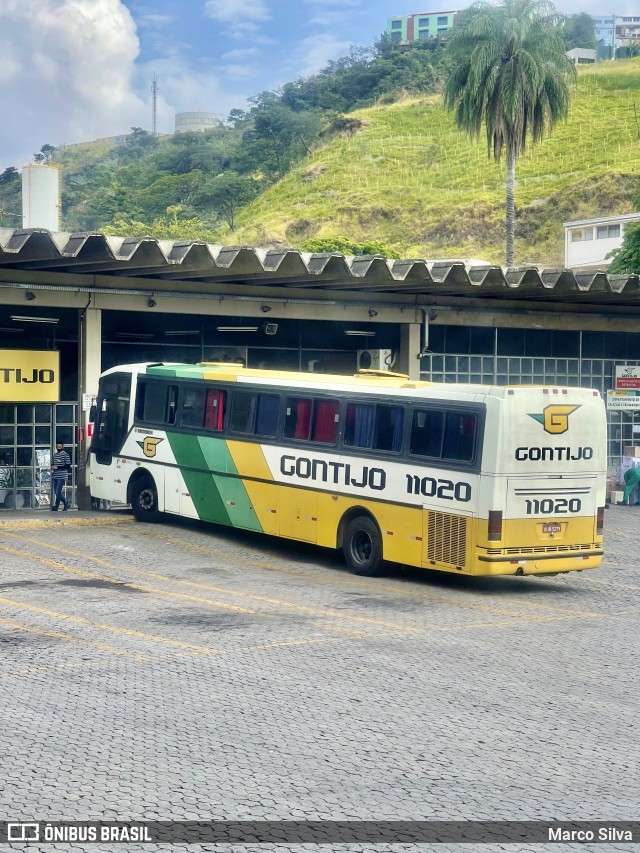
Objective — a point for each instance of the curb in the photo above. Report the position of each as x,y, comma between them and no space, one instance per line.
97,521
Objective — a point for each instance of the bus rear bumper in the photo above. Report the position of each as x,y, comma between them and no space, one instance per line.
539,564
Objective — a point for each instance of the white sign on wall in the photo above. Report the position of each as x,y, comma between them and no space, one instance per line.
627,377
629,399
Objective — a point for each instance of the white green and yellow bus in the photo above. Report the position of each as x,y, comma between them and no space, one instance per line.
471,479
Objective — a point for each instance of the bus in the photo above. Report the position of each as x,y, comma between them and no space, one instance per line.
462,478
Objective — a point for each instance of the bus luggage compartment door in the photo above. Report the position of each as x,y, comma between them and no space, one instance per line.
298,510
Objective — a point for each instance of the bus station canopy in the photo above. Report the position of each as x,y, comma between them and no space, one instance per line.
94,260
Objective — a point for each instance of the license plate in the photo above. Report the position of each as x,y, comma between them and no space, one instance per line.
551,527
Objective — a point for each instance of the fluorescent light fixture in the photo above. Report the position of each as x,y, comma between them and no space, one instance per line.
237,328
356,333
7,330
177,333
139,335
18,319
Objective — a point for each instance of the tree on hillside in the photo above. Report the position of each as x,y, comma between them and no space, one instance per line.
226,194
510,73
579,31
9,175
626,259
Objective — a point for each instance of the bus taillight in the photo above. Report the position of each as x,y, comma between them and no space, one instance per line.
495,525
600,521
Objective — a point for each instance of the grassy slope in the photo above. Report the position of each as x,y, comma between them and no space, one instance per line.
412,180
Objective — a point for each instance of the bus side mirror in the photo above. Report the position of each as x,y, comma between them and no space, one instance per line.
93,413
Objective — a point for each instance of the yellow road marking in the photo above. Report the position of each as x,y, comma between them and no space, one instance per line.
128,632
58,635
56,564
376,585
278,602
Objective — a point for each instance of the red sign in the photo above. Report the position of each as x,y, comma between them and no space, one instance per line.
627,377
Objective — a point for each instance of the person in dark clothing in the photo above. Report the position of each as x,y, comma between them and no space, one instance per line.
60,467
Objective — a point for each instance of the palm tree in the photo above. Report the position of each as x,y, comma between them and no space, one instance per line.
511,73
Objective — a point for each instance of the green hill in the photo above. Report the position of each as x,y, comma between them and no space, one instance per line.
409,178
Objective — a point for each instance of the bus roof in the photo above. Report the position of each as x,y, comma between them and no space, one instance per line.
365,380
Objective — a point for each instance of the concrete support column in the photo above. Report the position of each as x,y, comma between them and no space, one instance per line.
89,369
408,361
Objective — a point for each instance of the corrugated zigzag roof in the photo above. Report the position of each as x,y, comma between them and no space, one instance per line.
169,264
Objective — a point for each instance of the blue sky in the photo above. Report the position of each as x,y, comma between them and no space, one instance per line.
75,70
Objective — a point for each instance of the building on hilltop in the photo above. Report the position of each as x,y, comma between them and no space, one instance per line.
587,242
196,122
617,30
403,29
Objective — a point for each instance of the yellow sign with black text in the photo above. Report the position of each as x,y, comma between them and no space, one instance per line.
29,376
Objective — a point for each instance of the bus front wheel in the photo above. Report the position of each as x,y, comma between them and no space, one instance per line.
362,547
144,500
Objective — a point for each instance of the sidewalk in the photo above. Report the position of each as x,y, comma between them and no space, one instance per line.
31,519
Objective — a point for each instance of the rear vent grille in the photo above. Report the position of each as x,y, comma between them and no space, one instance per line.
447,542
546,549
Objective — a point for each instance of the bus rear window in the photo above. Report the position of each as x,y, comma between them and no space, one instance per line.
312,420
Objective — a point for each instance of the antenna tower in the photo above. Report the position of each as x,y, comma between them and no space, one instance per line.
154,112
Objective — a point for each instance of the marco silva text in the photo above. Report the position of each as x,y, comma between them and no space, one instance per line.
603,833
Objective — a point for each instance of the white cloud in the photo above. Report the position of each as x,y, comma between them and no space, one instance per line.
313,53
236,11
241,53
66,73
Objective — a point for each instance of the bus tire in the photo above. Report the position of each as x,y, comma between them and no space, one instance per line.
144,500
362,547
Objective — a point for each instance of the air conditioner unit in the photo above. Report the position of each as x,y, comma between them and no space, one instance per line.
375,359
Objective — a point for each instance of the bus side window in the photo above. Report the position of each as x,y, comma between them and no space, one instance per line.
374,427
324,427
359,424
192,408
267,415
297,419
459,436
154,405
243,411
172,404
214,410
388,428
140,398
426,433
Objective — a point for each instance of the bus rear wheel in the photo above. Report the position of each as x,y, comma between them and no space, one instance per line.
362,547
144,500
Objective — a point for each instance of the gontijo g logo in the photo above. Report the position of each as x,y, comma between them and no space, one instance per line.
555,419
149,445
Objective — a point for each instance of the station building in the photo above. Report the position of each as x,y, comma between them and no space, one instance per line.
72,305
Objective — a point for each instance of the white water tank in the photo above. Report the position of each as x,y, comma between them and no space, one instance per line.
41,197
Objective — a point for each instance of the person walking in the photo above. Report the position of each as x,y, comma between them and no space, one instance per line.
631,481
60,467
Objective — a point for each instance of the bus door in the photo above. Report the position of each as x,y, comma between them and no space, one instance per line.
110,431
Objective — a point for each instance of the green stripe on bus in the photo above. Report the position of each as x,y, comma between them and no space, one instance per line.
223,500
